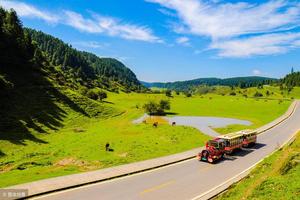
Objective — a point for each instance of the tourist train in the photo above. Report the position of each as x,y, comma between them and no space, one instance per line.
226,144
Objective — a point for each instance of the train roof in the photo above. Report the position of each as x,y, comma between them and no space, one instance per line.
236,134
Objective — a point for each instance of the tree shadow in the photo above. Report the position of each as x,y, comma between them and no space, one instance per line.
2,154
163,114
171,113
109,102
31,105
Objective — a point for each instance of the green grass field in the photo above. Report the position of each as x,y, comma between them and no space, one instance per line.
258,111
277,177
78,144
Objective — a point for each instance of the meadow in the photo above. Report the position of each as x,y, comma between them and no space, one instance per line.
277,177
79,144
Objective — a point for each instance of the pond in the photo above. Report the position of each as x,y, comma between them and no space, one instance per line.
203,123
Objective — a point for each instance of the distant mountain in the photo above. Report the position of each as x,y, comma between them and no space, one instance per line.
244,82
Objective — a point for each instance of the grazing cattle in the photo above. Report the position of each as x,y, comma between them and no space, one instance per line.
155,124
173,123
107,147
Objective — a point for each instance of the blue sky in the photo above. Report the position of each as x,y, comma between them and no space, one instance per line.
169,40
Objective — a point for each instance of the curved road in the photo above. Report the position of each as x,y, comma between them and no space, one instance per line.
188,179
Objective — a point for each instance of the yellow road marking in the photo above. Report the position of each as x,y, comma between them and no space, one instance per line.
206,167
157,187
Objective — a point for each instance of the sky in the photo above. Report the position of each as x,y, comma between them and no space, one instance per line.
171,40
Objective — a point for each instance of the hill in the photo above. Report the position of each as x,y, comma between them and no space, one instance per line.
243,82
38,92
85,68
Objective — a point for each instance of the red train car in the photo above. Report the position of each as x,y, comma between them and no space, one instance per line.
226,144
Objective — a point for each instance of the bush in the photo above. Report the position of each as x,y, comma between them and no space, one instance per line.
96,94
150,107
168,93
102,95
157,108
232,93
188,94
164,105
258,94
92,94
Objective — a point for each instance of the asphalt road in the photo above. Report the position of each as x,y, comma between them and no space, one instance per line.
188,179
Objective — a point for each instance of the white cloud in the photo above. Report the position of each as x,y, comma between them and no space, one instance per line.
26,10
239,29
110,26
90,44
183,41
268,44
95,24
223,20
256,72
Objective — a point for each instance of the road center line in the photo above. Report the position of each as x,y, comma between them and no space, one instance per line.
157,187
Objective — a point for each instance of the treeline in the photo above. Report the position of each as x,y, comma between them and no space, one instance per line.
242,82
291,80
15,45
86,68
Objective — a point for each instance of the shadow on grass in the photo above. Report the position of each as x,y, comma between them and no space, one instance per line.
108,102
2,154
163,114
30,105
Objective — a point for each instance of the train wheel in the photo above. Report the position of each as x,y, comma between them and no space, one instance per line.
229,152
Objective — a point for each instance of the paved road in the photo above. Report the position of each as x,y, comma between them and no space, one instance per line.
188,179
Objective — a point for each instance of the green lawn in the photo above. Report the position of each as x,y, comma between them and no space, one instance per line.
79,145
277,177
258,111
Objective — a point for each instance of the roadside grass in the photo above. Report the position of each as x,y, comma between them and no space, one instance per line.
277,177
79,143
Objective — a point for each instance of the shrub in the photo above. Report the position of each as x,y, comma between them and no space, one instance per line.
258,94
168,93
164,105
232,93
92,94
102,95
150,107
157,108
96,94
188,94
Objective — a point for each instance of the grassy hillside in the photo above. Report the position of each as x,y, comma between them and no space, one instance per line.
277,177
83,68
